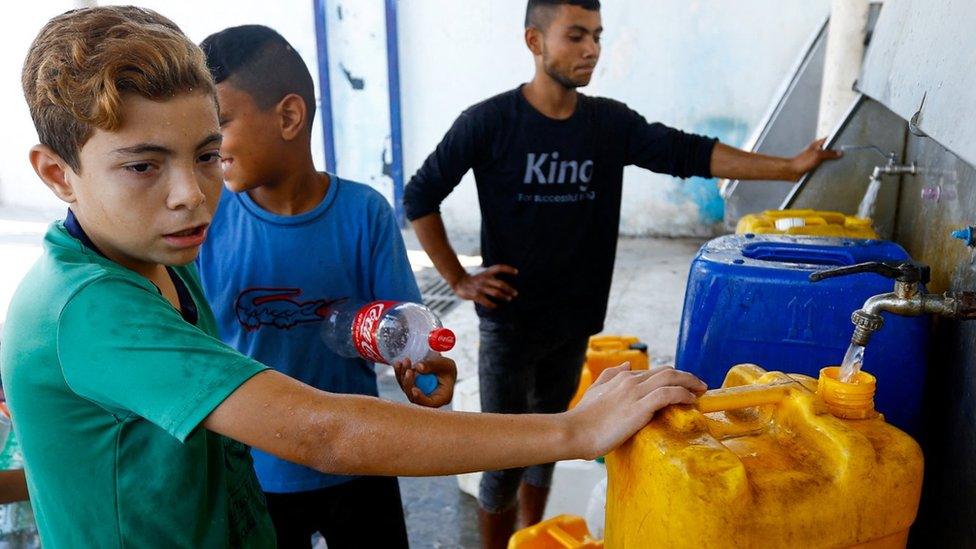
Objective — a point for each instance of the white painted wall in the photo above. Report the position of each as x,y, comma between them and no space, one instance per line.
694,64
19,186
687,63
361,113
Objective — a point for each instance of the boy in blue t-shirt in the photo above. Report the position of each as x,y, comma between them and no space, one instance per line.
288,241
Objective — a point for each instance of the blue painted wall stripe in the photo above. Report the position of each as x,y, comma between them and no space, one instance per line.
325,84
396,134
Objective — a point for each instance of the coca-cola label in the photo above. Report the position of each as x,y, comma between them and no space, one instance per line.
364,328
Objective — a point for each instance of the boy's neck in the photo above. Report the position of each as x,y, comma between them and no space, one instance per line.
549,97
298,192
73,226
156,273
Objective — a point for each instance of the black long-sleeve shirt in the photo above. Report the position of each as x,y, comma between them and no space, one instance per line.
550,195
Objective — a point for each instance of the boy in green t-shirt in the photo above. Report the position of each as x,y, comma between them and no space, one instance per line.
132,416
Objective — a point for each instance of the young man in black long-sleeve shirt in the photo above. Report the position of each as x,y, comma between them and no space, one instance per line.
548,162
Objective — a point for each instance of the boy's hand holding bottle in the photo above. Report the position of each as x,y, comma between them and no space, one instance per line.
441,367
408,336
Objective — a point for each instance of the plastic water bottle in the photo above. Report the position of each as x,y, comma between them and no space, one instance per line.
387,332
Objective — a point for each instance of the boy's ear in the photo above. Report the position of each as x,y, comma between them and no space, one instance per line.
533,39
53,171
292,116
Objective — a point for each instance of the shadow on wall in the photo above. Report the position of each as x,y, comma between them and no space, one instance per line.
702,192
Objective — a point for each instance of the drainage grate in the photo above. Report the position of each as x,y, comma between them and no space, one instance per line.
439,297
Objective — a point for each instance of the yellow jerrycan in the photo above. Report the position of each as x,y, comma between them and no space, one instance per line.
769,460
559,532
607,351
806,223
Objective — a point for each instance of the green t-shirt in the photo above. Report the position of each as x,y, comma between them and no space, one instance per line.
107,385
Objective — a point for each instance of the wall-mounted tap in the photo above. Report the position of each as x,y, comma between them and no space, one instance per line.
866,208
907,299
893,169
889,167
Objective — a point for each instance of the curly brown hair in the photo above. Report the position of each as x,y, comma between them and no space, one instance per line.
84,61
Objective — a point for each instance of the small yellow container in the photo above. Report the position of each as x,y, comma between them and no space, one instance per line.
766,462
806,223
607,351
561,532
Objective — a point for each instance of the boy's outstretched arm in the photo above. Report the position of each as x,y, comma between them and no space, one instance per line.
731,163
349,434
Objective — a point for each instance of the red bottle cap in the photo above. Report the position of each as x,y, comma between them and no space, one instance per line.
441,340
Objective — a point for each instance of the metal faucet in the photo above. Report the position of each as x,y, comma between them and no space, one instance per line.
907,299
889,168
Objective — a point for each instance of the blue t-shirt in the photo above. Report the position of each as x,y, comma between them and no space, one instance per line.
268,278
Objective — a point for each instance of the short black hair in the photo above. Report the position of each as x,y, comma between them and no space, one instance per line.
538,14
260,62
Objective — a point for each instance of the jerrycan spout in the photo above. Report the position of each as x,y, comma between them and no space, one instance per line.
852,399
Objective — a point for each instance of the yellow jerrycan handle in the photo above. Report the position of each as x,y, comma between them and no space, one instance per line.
744,396
569,541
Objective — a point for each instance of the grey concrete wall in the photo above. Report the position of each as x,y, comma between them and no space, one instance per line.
925,49
840,185
919,212
948,512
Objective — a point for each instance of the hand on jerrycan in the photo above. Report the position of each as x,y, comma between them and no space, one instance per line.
621,402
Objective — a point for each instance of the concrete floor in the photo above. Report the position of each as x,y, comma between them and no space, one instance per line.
646,301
